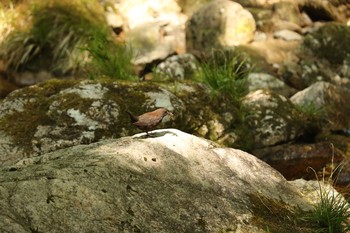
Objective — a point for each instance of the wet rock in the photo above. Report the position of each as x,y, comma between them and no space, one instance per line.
297,160
135,184
219,24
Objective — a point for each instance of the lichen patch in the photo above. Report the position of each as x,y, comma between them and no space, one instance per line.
87,90
81,119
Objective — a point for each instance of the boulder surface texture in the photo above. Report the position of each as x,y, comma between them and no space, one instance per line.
169,182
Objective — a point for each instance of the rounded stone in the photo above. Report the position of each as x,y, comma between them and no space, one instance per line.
219,24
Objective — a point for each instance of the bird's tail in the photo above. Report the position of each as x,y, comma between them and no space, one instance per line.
133,118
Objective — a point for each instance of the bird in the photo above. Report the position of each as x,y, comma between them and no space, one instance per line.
149,120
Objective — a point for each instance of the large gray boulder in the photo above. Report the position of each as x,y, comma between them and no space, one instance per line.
169,182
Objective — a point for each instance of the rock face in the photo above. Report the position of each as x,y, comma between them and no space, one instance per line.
329,98
219,24
60,114
263,81
273,117
170,182
154,28
178,67
324,56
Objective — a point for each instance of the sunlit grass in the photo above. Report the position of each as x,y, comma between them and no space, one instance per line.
52,37
63,37
109,59
332,213
225,75
313,112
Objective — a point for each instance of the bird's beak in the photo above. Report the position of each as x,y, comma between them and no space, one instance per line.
171,115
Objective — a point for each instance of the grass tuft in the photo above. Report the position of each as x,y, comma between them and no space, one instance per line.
332,213
62,37
225,74
313,112
109,58
52,39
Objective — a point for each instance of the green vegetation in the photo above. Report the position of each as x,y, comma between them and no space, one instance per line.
316,117
335,48
52,38
270,213
226,74
63,37
109,58
315,114
332,214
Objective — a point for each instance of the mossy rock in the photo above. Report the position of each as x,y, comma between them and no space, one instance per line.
57,114
330,42
270,119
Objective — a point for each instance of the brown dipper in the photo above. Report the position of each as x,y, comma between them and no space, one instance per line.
149,120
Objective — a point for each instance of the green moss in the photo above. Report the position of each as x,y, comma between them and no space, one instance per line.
284,117
22,125
51,87
121,92
70,101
